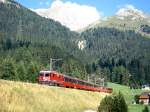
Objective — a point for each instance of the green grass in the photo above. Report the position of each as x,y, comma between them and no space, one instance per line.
128,95
27,97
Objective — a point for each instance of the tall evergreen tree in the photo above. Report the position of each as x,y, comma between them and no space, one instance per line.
8,69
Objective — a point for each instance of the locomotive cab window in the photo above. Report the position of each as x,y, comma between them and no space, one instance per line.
47,74
41,74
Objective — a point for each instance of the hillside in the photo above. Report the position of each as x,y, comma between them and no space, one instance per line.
29,39
123,24
27,97
21,27
111,48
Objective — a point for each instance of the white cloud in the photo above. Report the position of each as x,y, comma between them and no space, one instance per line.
130,10
2,1
72,15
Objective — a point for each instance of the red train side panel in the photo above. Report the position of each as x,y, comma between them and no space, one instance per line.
55,78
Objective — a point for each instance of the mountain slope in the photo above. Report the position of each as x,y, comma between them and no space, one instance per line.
20,23
23,97
21,27
127,18
109,48
115,42
29,39
104,41
120,41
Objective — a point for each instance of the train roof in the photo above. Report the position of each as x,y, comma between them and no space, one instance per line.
47,71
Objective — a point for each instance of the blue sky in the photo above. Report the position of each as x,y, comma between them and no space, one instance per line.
107,7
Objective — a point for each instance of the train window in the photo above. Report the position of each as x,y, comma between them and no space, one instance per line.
47,74
72,80
66,79
41,74
80,82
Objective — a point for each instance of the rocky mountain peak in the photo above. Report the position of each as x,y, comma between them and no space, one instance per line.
131,11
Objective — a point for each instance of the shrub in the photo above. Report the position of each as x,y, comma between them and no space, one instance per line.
136,99
145,109
114,103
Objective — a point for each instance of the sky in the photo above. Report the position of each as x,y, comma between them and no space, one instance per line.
107,7
78,14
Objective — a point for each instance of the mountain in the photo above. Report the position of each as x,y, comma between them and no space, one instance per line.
131,11
113,47
109,48
127,18
120,45
21,27
28,41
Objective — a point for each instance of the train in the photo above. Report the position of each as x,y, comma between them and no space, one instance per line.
57,79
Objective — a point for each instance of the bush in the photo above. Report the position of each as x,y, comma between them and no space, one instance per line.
145,109
106,104
114,103
136,99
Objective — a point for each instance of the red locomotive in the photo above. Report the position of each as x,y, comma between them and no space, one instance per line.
55,78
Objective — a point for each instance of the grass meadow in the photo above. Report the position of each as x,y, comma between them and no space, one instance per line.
27,97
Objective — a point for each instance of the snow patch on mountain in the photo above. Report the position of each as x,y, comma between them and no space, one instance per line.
130,10
72,15
82,44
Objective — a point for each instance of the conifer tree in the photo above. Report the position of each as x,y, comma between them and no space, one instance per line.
8,69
